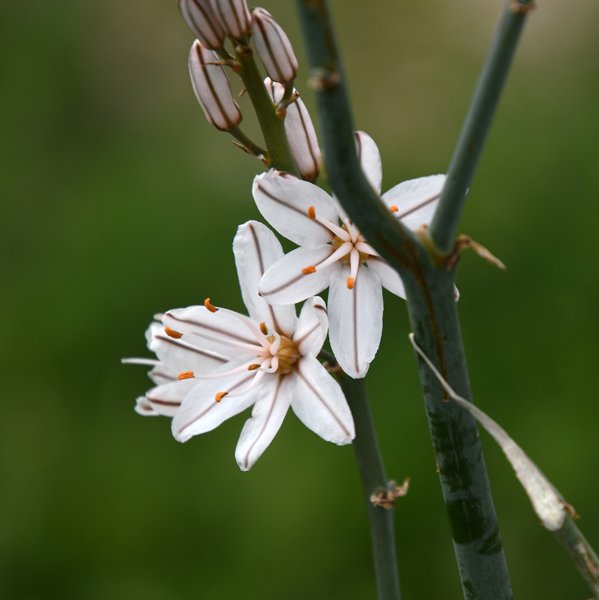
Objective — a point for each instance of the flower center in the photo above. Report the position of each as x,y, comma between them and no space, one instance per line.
286,351
337,242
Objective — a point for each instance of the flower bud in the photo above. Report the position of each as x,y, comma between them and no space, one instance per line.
212,88
273,47
301,136
234,17
202,21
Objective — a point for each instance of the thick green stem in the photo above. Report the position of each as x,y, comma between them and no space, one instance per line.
581,553
272,126
476,126
454,433
431,303
374,478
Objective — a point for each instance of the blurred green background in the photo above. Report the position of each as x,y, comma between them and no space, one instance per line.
118,200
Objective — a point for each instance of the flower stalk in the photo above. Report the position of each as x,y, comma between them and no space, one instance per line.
272,126
477,123
374,478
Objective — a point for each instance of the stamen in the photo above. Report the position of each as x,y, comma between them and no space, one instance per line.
350,283
354,264
393,208
341,233
365,248
342,251
185,375
263,328
220,395
210,306
172,333
311,212
253,367
308,270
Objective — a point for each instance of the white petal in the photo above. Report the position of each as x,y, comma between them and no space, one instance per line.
160,374
212,88
256,249
267,416
284,201
320,404
219,331
202,21
312,327
415,199
200,412
355,320
388,276
166,399
370,159
273,47
234,16
285,283
177,355
144,408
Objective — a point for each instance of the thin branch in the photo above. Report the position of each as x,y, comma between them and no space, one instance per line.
477,124
374,479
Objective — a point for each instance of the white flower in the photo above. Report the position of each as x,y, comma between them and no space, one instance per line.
200,18
334,254
267,360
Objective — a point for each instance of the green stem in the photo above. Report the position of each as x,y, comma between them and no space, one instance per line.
581,553
272,126
477,124
454,433
374,478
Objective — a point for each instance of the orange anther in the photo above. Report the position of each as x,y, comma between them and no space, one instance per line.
253,367
308,270
220,396
311,212
350,283
263,328
209,305
393,208
185,375
172,333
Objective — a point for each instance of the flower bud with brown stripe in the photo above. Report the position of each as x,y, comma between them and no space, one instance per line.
212,88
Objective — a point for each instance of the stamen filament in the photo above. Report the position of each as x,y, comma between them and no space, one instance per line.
366,248
338,231
354,264
342,251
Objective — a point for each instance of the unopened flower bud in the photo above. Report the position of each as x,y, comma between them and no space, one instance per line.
200,18
234,17
273,47
300,131
212,88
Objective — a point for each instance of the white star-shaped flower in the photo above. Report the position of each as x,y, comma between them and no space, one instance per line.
334,254
268,360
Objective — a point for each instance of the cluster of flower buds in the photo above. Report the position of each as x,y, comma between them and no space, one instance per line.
212,22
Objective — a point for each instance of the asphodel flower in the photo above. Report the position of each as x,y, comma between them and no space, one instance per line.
268,362
299,129
273,47
333,253
212,88
203,22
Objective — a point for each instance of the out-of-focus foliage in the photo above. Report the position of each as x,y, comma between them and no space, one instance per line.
118,201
